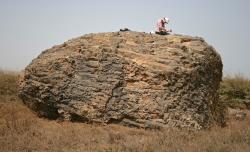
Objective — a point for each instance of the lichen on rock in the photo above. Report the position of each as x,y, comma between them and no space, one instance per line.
129,78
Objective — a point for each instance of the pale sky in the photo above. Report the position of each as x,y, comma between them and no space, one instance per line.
27,27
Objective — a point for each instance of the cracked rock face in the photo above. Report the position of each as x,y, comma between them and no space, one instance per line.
127,78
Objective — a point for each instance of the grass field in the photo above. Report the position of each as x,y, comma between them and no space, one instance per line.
22,131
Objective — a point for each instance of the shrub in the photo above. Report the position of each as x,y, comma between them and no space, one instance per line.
235,91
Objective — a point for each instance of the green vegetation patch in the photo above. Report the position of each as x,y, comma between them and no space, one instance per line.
235,91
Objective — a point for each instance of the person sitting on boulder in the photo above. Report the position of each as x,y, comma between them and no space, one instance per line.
161,28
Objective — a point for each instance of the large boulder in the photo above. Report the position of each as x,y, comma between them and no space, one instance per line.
127,78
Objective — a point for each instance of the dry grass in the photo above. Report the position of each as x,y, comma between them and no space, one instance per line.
8,83
21,130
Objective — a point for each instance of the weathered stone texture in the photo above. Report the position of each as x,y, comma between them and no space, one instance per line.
128,78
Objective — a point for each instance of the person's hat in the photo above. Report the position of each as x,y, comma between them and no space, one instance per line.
166,20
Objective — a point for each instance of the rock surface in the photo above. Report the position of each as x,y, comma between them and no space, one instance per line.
127,78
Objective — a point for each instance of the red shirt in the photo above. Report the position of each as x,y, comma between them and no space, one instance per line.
160,25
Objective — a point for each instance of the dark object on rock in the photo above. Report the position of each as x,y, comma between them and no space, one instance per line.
131,78
162,33
124,29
